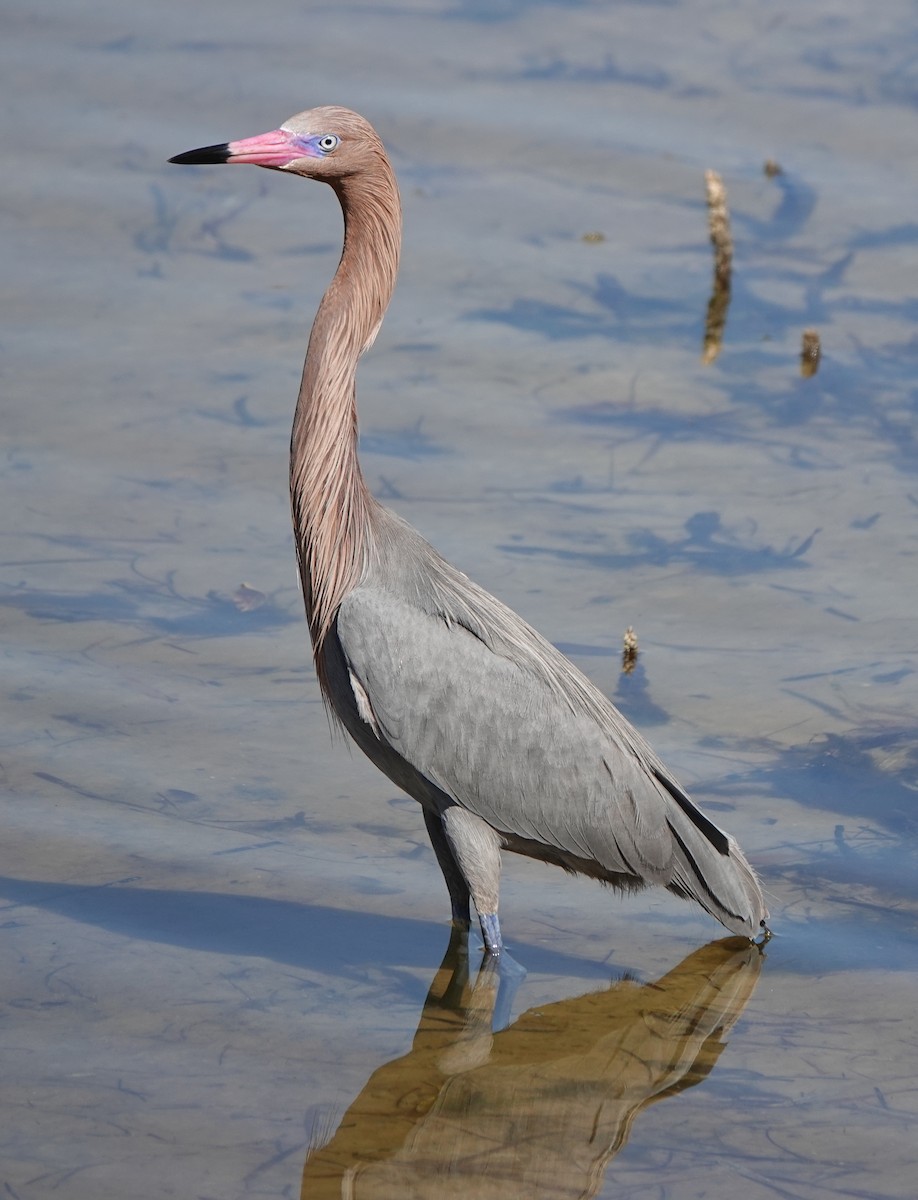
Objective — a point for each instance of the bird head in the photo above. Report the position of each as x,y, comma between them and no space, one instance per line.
328,143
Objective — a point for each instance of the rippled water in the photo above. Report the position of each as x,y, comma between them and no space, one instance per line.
218,927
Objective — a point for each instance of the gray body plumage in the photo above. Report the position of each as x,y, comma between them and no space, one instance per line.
461,703
504,743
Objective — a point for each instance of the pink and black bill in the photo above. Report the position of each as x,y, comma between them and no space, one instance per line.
276,148
207,154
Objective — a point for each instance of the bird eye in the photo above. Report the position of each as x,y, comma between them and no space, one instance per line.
328,142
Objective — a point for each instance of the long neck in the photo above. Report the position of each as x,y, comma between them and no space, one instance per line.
332,506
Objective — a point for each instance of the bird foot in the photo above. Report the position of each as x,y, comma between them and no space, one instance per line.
763,938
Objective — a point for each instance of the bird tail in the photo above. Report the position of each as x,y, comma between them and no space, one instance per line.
709,867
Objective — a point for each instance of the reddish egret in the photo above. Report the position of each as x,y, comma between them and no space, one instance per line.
504,743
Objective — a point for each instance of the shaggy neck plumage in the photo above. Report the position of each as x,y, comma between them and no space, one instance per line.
333,511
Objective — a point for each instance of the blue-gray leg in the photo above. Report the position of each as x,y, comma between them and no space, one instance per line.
490,931
476,850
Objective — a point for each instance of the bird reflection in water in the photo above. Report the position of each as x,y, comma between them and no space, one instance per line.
540,1108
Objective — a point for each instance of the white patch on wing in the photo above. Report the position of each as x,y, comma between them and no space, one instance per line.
364,708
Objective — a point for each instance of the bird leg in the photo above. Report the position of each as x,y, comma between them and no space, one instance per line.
490,931
455,881
476,850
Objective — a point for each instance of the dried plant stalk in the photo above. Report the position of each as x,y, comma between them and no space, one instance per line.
810,353
629,651
722,241
719,225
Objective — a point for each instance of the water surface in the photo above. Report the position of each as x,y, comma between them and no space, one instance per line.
218,925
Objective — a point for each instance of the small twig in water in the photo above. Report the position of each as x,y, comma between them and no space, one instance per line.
721,240
629,651
810,353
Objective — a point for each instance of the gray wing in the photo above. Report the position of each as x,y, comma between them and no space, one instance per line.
496,739
479,704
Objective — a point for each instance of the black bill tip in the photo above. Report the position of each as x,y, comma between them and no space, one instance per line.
207,154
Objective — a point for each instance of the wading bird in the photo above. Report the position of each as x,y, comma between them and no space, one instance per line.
504,743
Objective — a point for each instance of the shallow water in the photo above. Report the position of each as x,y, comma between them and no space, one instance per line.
219,928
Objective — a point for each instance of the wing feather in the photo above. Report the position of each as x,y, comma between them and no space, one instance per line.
482,707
